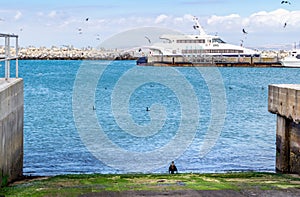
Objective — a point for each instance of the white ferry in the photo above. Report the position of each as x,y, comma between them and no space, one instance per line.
199,45
292,60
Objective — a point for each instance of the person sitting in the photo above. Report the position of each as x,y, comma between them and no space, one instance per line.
172,168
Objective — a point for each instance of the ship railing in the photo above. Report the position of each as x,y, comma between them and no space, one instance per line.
7,56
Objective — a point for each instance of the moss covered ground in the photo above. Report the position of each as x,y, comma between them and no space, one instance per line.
75,185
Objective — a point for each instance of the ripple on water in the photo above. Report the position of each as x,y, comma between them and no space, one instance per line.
52,144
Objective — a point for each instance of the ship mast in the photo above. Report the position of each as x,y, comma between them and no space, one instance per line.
198,27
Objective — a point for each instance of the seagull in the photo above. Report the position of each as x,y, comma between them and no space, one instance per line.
98,37
244,31
284,25
148,39
282,2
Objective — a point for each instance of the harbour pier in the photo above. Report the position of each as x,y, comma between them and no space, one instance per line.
11,117
284,101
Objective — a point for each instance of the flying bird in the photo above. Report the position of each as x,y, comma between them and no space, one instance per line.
148,39
98,37
282,2
284,25
244,31
79,30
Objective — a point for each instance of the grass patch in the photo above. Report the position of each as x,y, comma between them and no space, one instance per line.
74,185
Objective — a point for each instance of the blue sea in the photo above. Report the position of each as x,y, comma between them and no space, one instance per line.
116,117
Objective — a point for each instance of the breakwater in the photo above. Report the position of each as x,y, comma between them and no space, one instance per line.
69,53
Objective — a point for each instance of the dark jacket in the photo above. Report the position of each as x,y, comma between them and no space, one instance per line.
172,169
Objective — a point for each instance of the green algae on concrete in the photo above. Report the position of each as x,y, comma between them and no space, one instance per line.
74,185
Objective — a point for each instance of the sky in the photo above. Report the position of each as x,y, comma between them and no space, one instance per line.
269,23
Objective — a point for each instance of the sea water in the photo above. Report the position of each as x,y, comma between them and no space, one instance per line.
53,141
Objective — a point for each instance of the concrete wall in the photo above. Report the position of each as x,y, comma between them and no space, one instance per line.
284,100
11,129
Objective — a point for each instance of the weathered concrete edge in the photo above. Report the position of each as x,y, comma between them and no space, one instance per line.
283,100
11,129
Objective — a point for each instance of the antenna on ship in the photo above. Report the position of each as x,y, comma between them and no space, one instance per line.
198,27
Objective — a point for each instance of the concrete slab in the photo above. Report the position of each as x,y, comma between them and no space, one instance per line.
284,100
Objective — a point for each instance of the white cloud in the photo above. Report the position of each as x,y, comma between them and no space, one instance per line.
223,20
257,22
267,19
184,18
262,26
161,18
188,17
40,14
52,14
18,15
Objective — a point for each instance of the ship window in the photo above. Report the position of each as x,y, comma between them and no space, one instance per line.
191,41
217,40
199,51
298,56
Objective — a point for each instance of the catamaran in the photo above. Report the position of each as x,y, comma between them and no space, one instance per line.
198,45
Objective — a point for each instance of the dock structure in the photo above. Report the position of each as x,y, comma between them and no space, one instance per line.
217,61
11,116
284,101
